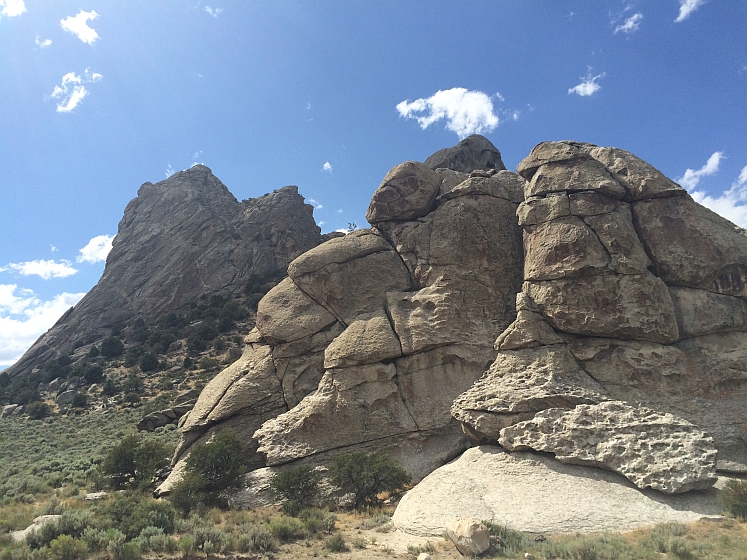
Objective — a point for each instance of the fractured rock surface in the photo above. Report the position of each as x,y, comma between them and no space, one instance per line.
651,449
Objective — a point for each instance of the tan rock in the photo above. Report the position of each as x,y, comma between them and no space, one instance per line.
446,312
300,364
571,176
635,307
521,383
529,330
450,179
255,361
549,152
407,192
641,179
348,285
476,186
535,493
470,536
590,203
351,406
430,381
651,449
616,232
537,210
368,339
563,248
703,312
471,153
286,313
692,246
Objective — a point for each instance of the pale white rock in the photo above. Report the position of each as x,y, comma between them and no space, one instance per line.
476,186
20,536
538,494
651,449
550,152
530,329
470,536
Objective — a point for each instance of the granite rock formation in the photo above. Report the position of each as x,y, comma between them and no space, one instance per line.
632,292
372,335
180,240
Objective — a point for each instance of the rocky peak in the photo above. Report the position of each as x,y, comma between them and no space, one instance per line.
474,152
180,240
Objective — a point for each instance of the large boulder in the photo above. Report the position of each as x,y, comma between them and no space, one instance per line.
474,152
536,493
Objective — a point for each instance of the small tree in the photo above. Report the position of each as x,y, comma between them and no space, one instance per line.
367,476
135,462
734,498
111,347
298,486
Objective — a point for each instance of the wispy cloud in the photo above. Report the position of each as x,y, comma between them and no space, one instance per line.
731,204
588,85
687,7
169,171
78,26
327,167
24,317
691,177
12,8
43,44
466,112
96,249
215,12
630,25
315,204
72,91
42,268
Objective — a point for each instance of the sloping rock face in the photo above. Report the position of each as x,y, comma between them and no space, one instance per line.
371,337
632,292
536,493
180,240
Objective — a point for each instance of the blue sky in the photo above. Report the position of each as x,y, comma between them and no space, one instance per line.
100,96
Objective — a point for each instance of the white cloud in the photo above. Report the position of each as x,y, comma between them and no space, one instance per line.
53,248
43,44
96,249
732,203
320,224
588,85
315,204
77,26
466,112
42,268
631,24
691,177
12,8
327,167
24,317
72,91
169,171
687,7
215,12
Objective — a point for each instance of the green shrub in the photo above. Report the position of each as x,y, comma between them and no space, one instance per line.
79,401
187,546
66,547
111,347
287,529
110,388
149,361
734,498
367,476
38,410
135,461
336,543
134,512
218,463
298,486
